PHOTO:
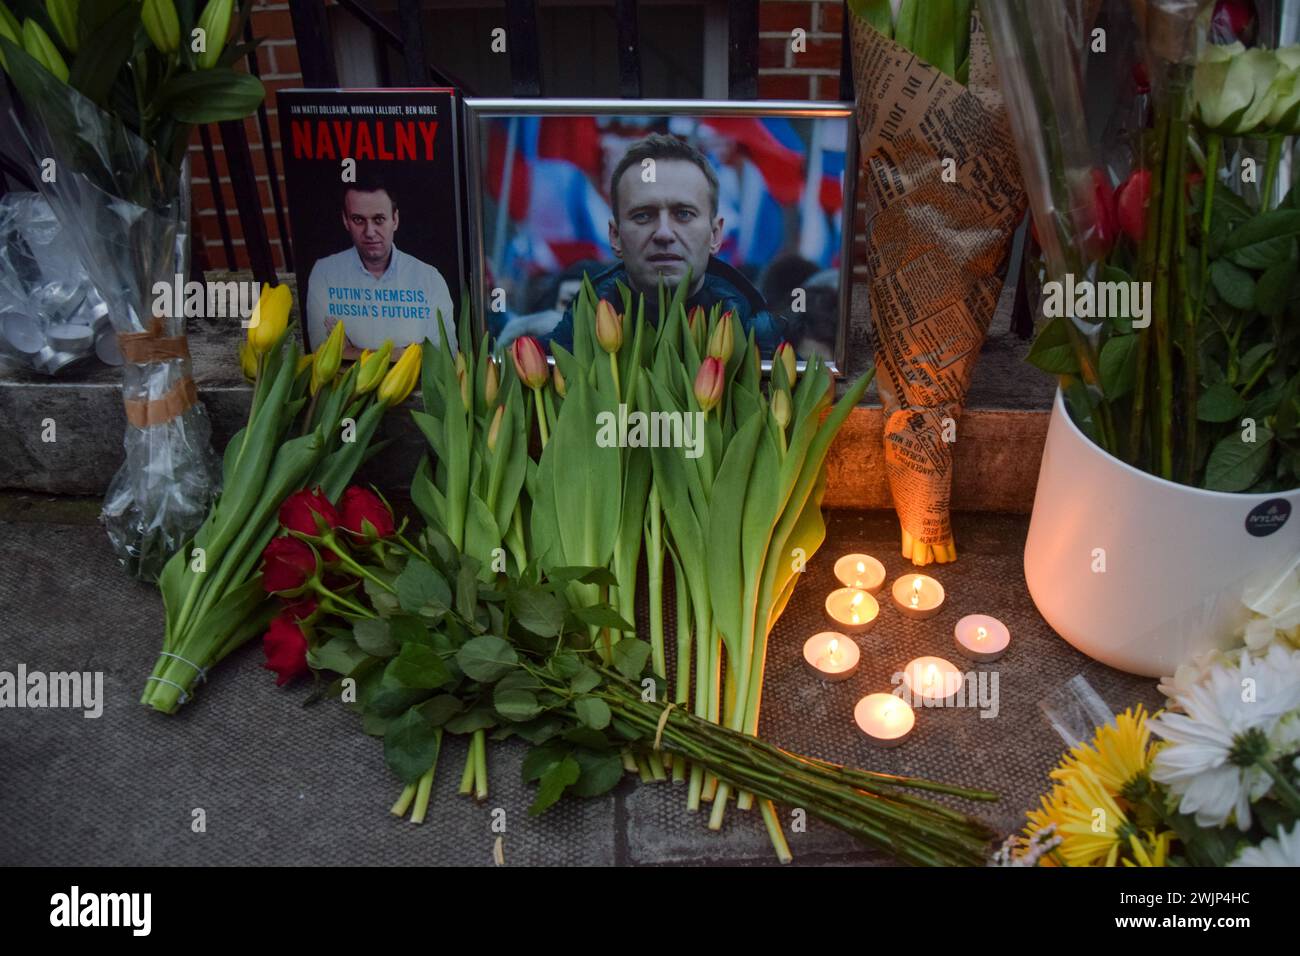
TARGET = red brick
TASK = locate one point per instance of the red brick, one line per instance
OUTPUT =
(265, 63)
(286, 61)
(783, 86)
(819, 54)
(784, 16)
(772, 52)
(830, 18)
(272, 24)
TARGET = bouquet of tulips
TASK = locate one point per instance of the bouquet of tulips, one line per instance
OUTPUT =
(109, 95)
(309, 427)
(423, 650)
(1186, 360)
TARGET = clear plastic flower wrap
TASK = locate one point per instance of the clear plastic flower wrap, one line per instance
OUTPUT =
(52, 319)
(126, 209)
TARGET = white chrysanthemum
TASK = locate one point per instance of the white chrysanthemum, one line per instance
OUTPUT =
(1218, 713)
(1284, 851)
(1275, 611)
(1194, 673)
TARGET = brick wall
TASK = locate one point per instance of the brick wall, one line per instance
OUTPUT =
(783, 74)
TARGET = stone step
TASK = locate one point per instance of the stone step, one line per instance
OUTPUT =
(997, 452)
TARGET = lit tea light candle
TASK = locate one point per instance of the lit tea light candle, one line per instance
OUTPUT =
(932, 679)
(918, 596)
(831, 655)
(981, 638)
(860, 571)
(885, 719)
(853, 610)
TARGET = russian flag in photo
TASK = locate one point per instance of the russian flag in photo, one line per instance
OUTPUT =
(773, 146)
(821, 210)
(512, 146)
(567, 214)
(761, 227)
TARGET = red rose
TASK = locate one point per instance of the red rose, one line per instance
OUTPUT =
(302, 608)
(287, 563)
(1098, 217)
(1131, 204)
(360, 506)
(298, 512)
(1234, 20)
(285, 647)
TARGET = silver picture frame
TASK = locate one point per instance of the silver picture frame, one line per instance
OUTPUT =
(478, 109)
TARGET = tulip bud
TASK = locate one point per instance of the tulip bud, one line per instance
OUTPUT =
(491, 383)
(373, 367)
(462, 379)
(41, 48)
(530, 361)
(561, 387)
(723, 339)
(708, 384)
(304, 362)
(1131, 204)
(214, 21)
(328, 358)
(63, 14)
(270, 318)
(785, 352)
(696, 314)
(247, 361)
(162, 25)
(781, 407)
(401, 378)
(609, 327)
(494, 430)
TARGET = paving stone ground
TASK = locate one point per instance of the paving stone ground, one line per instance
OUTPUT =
(286, 784)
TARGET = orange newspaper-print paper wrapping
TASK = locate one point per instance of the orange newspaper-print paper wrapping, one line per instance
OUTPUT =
(944, 198)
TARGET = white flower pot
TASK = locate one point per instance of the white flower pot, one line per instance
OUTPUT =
(1176, 559)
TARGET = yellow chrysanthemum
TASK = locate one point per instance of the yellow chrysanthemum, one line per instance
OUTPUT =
(1154, 851)
(1093, 828)
(1117, 753)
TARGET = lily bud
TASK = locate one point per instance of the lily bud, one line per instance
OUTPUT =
(41, 48)
(785, 353)
(561, 386)
(11, 30)
(214, 21)
(530, 361)
(494, 429)
(491, 383)
(270, 318)
(609, 327)
(723, 339)
(781, 407)
(373, 367)
(401, 378)
(247, 361)
(161, 24)
(325, 364)
(63, 14)
(708, 384)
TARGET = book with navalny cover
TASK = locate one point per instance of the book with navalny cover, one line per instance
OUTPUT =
(373, 178)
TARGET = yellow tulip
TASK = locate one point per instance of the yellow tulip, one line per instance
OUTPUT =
(781, 407)
(401, 378)
(373, 366)
(247, 361)
(491, 383)
(270, 318)
(785, 352)
(561, 386)
(494, 430)
(325, 364)
(609, 327)
(723, 339)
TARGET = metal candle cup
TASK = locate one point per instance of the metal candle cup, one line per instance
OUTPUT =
(832, 656)
(981, 638)
(885, 719)
(918, 596)
(853, 610)
(860, 571)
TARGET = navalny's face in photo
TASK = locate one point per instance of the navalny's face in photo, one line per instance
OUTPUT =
(371, 218)
(665, 224)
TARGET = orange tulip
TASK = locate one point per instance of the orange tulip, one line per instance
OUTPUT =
(530, 361)
(708, 384)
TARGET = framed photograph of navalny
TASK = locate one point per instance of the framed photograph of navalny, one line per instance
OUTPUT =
(373, 178)
(752, 200)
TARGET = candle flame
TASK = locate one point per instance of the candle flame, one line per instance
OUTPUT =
(855, 618)
(930, 674)
(980, 634)
(857, 599)
(916, 591)
(861, 567)
(835, 646)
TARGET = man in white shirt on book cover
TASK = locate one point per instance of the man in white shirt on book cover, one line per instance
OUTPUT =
(378, 291)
